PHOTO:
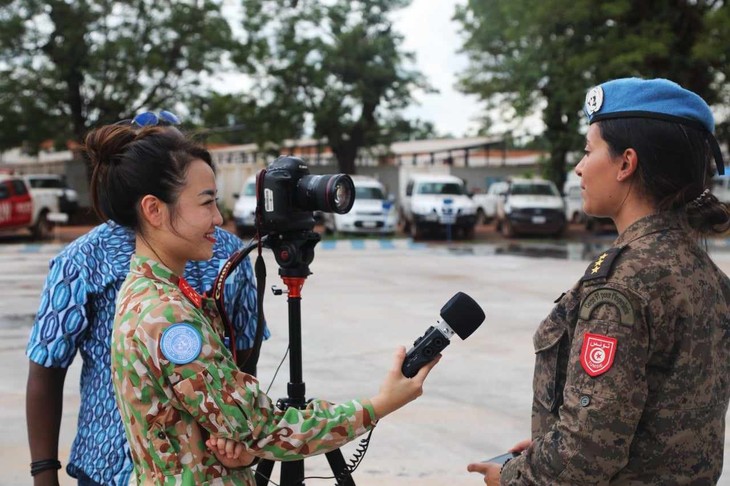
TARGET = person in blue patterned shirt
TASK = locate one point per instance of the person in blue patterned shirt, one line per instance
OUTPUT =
(76, 314)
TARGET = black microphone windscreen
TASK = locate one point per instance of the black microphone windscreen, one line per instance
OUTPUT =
(462, 314)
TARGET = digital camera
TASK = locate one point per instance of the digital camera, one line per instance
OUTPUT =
(287, 196)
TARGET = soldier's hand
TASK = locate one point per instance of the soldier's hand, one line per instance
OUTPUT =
(521, 446)
(230, 453)
(490, 471)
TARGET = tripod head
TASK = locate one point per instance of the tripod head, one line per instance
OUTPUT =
(294, 251)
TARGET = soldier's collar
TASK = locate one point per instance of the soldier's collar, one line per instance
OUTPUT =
(155, 270)
(152, 269)
(653, 223)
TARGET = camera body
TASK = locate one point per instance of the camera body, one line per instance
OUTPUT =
(287, 196)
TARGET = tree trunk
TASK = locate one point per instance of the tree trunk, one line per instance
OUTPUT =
(346, 154)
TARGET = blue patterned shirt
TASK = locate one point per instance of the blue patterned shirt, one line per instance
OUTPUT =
(76, 313)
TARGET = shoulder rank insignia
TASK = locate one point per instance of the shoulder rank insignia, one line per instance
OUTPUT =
(601, 267)
(597, 353)
(181, 343)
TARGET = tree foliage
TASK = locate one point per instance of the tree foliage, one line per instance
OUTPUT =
(545, 54)
(66, 66)
(336, 65)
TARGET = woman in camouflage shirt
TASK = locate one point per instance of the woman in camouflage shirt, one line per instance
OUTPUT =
(176, 384)
(632, 370)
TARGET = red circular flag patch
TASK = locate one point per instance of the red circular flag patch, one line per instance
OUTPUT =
(597, 353)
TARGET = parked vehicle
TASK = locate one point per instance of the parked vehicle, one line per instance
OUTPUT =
(487, 202)
(531, 206)
(244, 211)
(19, 210)
(45, 187)
(573, 199)
(372, 213)
(437, 202)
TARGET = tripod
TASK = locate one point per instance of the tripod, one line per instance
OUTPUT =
(294, 253)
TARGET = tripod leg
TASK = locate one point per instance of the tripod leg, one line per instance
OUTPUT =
(292, 473)
(339, 468)
(263, 472)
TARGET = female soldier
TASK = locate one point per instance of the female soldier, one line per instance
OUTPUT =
(632, 373)
(174, 380)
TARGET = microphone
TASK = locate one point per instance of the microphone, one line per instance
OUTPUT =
(461, 315)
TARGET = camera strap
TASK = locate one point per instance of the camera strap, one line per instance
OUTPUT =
(247, 357)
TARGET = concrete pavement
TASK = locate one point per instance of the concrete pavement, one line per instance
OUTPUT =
(359, 304)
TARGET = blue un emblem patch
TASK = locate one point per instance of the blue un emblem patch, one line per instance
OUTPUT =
(181, 343)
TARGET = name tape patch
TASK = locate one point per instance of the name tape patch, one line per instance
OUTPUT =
(181, 343)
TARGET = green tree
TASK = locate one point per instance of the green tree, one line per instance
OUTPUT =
(67, 66)
(336, 66)
(240, 118)
(545, 54)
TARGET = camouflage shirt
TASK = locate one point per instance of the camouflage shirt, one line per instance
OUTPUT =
(632, 372)
(174, 392)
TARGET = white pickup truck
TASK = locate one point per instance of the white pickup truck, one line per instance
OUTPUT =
(21, 209)
(487, 202)
(437, 202)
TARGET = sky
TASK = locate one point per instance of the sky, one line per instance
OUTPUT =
(434, 37)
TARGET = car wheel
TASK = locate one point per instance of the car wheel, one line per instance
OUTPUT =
(416, 231)
(468, 232)
(43, 228)
(590, 224)
(406, 226)
(481, 217)
(507, 230)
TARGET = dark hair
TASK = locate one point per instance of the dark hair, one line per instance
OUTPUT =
(675, 168)
(130, 163)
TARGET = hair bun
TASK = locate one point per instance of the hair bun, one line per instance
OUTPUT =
(105, 144)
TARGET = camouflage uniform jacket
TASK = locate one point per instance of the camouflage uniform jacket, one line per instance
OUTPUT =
(632, 372)
(169, 409)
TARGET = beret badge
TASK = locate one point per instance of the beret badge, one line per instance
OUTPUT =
(594, 100)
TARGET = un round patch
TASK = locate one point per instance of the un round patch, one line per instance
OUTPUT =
(181, 343)
(594, 100)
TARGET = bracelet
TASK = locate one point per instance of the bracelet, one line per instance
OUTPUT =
(44, 465)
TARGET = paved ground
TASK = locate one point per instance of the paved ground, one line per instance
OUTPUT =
(362, 300)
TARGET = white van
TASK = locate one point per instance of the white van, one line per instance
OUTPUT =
(373, 211)
(244, 211)
(437, 202)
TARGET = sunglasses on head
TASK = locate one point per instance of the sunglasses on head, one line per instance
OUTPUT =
(151, 119)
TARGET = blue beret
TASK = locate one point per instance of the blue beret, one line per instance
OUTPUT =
(651, 98)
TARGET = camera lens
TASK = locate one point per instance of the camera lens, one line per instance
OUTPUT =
(332, 193)
(344, 194)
